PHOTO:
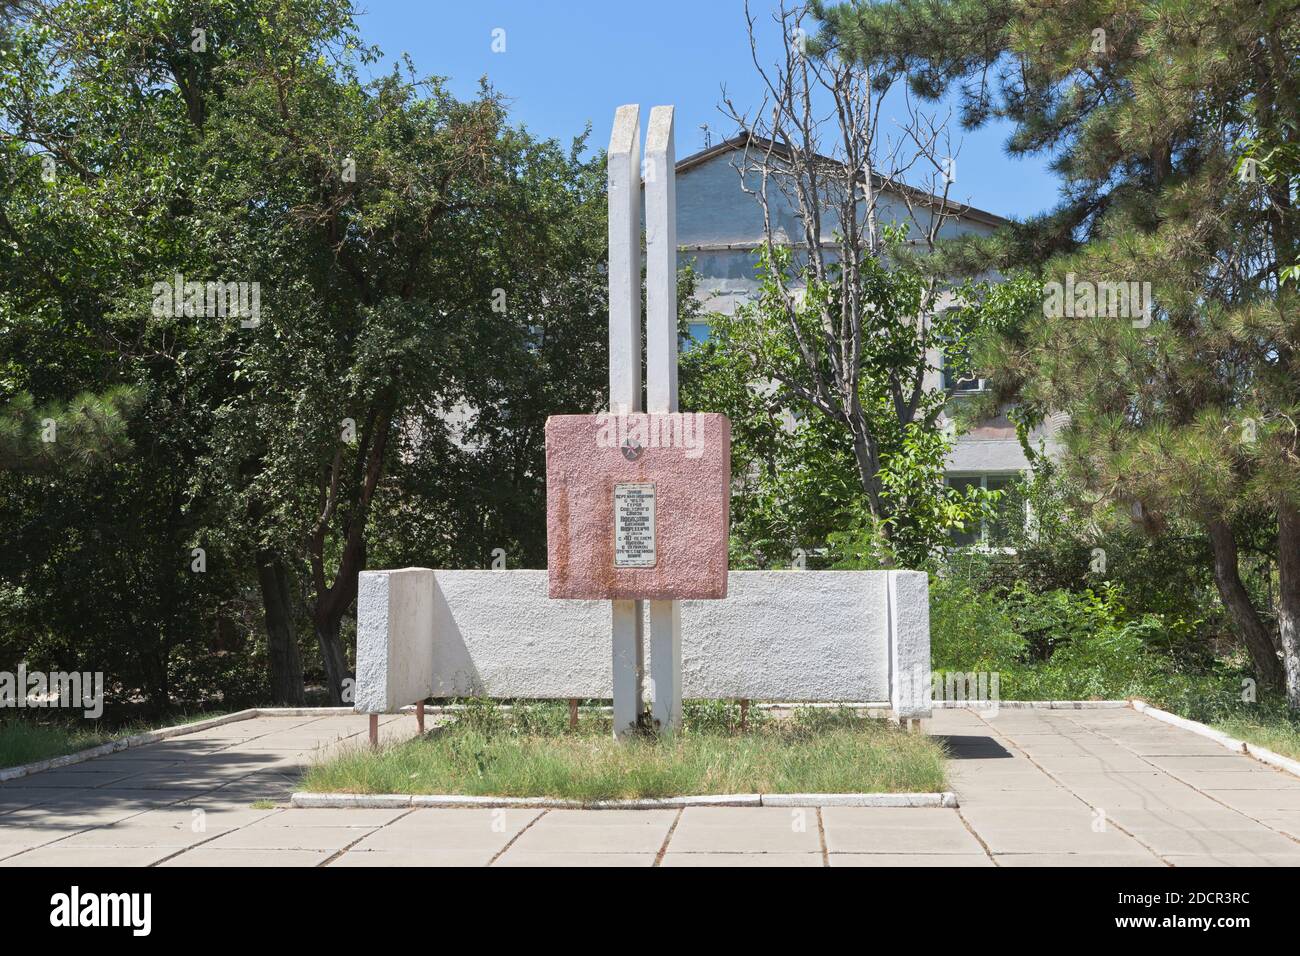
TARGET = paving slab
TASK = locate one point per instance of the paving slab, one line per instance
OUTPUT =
(900, 840)
(1213, 780)
(941, 831)
(1013, 839)
(14, 840)
(907, 817)
(81, 856)
(1252, 802)
(1210, 817)
(1259, 841)
(1041, 788)
(68, 779)
(198, 819)
(508, 820)
(910, 859)
(129, 835)
(367, 817)
(516, 858)
(1092, 763)
(746, 830)
(289, 838)
(1283, 821)
(476, 838)
(412, 858)
(1079, 859)
(1110, 799)
(1047, 799)
(582, 831)
(742, 859)
(1225, 763)
(1234, 860)
(1076, 817)
(211, 856)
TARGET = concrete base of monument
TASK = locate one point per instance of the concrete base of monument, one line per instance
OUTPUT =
(806, 636)
(391, 801)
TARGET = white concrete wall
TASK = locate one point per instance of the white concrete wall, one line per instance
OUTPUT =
(779, 635)
(909, 644)
(790, 635)
(395, 616)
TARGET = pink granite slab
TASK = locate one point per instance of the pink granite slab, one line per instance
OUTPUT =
(686, 456)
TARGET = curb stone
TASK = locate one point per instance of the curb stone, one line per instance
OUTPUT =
(1262, 754)
(393, 800)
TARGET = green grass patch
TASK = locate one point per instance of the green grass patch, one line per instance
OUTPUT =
(29, 738)
(1272, 728)
(26, 741)
(530, 752)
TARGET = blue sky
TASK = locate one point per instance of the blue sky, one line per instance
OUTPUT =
(568, 63)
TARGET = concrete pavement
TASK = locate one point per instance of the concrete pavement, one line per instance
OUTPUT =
(1037, 788)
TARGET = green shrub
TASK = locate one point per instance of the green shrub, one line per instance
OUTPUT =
(1068, 645)
(970, 629)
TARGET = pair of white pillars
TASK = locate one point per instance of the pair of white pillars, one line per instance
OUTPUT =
(624, 172)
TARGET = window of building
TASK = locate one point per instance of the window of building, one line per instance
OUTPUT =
(954, 381)
(996, 532)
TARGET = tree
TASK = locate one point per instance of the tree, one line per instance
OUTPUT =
(848, 317)
(1174, 129)
(417, 286)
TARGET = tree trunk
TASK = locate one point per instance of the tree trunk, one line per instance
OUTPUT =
(1288, 604)
(332, 656)
(868, 474)
(281, 641)
(1227, 578)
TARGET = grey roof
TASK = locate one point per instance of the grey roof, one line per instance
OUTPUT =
(920, 195)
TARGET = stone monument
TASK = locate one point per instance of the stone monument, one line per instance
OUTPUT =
(638, 501)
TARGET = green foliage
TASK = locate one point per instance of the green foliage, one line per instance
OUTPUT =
(1174, 129)
(1065, 645)
(970, 629)
(380, 219)
(799, 484)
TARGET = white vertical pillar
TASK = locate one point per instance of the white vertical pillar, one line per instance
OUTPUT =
(661, 263)
(661, 382)
(666, 663)
(624, 179)
(625, 375)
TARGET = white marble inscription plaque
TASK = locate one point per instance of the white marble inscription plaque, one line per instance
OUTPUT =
(634, 525)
